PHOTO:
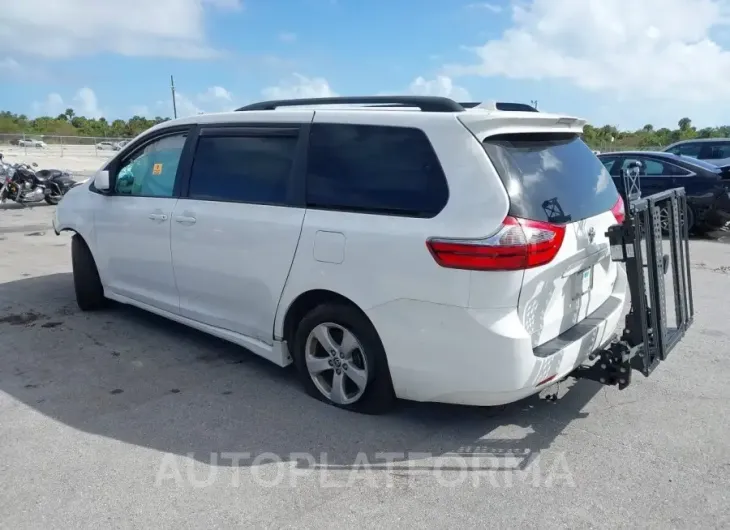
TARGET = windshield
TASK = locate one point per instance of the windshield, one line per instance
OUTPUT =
(552, 177)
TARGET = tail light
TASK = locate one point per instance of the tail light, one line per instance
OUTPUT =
(618, 210)
(518, 244)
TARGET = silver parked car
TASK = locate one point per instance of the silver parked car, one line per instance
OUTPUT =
(32, 142)
(713, 150)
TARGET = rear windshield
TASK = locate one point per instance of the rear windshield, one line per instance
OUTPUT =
(551, 177)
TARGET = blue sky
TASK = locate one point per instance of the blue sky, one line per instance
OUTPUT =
(622, 62)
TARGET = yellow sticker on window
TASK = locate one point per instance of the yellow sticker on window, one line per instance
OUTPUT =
(157, 169)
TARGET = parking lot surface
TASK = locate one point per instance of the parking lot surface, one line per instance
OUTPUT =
(122, 419)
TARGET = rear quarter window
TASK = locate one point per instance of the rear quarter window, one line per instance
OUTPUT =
(690, 149)
(551, 177)
(374, 169)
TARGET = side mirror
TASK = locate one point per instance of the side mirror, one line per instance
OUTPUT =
(101, 180)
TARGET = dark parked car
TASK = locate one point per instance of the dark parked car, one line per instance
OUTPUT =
(707, 186)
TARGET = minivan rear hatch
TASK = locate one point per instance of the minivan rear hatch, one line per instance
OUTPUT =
(554, 178)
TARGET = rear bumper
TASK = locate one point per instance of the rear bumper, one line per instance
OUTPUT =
(483, 357)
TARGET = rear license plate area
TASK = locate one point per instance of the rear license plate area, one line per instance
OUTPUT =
(583, 282)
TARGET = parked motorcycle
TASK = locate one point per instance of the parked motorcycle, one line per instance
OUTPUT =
(24, 185)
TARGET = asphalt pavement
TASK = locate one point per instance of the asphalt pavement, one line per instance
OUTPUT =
(120, 419)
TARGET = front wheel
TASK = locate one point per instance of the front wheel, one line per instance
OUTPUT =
(341, 360)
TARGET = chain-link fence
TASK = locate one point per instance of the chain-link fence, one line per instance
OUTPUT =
(610, 147)
(46, 145)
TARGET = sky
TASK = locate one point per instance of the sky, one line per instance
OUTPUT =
(620, 62)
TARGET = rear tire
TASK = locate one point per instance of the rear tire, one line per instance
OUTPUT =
(53, 200)
(87, 284)
(368, 388)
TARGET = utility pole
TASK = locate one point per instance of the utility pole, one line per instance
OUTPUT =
(174, 105)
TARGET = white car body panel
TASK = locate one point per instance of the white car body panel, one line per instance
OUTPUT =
(133, 249)
(232, 262)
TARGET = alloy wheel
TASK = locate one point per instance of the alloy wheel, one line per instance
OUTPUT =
(336, 363)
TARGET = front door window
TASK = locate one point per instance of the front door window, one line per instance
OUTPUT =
(150, 171)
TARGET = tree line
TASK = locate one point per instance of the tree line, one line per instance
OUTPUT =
(609, 137)
(606, 137)
(69, 124)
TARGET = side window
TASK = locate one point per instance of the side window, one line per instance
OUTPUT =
(374, 169)
(688, 149)
(654, 168)
(651, 168)
(676, 171)
(151, 171)
(719, 150)
(608, 163)
(251, 169)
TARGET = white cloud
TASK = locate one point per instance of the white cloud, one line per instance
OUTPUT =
(140, 110)
(214, 99)
(494, 8)
(186, 106)
(439, 86)
(9, 66)
(84, 103)
(286, 36)
(13, 70)
(299, 86)
(53, 105)
(216, 95)
(232, 5)
(647, 50)
(172, 28)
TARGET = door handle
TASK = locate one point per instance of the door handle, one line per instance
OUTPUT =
(185, 220)
(158, 217)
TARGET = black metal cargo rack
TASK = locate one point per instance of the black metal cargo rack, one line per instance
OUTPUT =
(638, 243)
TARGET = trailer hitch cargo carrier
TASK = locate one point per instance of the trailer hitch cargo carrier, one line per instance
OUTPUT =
(638, 243)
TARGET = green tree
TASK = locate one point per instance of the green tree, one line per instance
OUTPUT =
(602, 137)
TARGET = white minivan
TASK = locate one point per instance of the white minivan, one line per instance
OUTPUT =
(449, 254)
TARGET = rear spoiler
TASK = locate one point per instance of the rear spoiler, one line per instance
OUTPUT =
(483, 124)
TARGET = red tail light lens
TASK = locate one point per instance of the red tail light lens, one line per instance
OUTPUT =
(519, 244)
(618, 210)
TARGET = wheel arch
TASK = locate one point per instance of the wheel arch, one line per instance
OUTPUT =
(307, 301)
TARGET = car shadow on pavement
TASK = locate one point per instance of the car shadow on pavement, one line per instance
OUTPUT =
(140, 379)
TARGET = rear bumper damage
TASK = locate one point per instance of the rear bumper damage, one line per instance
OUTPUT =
(486, 358)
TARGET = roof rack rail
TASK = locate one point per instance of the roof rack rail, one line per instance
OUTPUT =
(425, 103)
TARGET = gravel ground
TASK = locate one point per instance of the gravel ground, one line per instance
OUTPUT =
(122, 419)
